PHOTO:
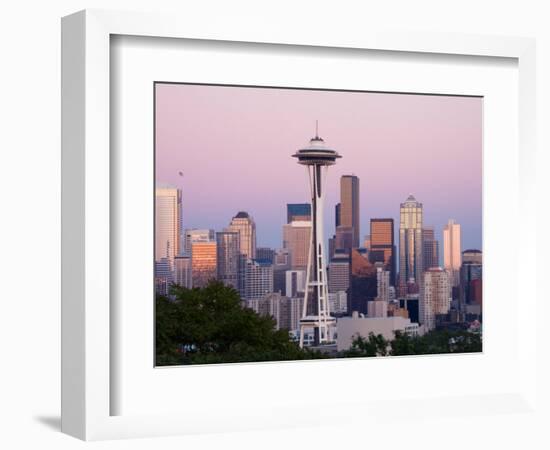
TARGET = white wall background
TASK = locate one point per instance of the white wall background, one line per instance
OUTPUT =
(29, 224)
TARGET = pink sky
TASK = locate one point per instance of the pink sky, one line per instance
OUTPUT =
(234, 147)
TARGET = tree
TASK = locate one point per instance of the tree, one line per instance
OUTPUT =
(374, 345)
(209, 325)
(435, 342)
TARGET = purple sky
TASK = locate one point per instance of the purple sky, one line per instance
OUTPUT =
(234, 147)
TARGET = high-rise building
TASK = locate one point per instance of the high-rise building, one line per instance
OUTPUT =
(281, 263)
(295, 285)
(244, 224)
(410, 244)
(430, 248)
(197, 235)
(298, 212)
(452, 257)
(337, 209)
(349, 209)
(265, 253)
(363, 282)
(167, 223)
(471, 279)
(435, 297)
(183, 273)
(258, 279)
(163, 276)
(367, 242)
(344, 238)
(338, 303)
(382, 245)
(377, 308)
(382, 284)
(317, 157)
(228, 257)
(297, 239)
(339, 272)
(285, 310)
(203, 262)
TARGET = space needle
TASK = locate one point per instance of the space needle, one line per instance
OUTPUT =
(317, 157)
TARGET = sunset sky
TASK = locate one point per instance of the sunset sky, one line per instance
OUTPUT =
(234, 147)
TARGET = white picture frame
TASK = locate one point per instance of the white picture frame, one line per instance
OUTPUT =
(87, 326)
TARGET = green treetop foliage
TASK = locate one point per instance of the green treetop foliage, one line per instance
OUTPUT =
(433, 342)
(209, 325)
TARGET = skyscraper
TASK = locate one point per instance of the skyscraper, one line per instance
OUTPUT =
(339, 272)
(167, 223)
(244, 224)
(297, 239)
(317, 157)
(382, 284)
(281, 263)
(163, 276)
(430, 248)
(344, 238)
(471, 276)
(228, 248)
(435, 296)
(363, 282)
(295, 283)
(258, 280)
(410, 243)
(265, 253)
(298, 212)
(349, 205)
(337, 209)
(452, 257)
(382, 245)
(197, 235)
(203, 262)
(183, 274)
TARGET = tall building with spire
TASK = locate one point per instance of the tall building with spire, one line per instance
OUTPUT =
(167, 223)
(452, 256)
(410, 243)
(349, 205)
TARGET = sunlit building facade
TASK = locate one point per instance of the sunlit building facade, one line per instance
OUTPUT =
(244, 224)
(297, 239)
(167, 223)
(410, 244)
(452, 256)
(382, 245)
(203, 262)
(197, 235)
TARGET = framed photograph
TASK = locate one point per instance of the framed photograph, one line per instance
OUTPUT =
(257, 228)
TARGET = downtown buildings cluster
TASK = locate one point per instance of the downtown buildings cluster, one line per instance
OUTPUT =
(367, 292)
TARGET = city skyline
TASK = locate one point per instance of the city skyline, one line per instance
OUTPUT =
(461, 200)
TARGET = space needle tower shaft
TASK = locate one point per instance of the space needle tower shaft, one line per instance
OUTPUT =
(317, 157)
